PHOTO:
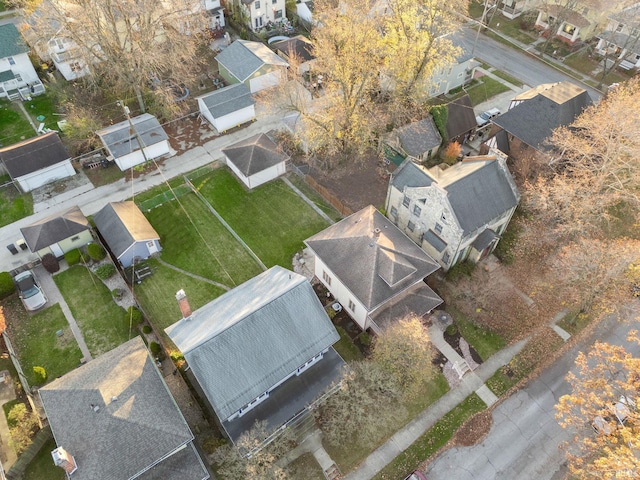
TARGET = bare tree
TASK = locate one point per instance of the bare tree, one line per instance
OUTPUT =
(620, 39)
(557, 13)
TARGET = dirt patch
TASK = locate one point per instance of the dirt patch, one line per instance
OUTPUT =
(474, 429)
(189, 132)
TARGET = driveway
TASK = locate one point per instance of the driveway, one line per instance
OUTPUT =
(525, 437)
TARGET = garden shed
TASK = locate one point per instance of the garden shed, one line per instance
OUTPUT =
(256, 160)
(228, 107)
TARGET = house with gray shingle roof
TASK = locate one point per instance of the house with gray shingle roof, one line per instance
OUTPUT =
(126, 232)
(18, 78)
(454, 214)
(260, 352)
(134, 142)
(116, 419)
(419, 140)
(58, 233)
(373, 269)
(251, 63)
(256, 160)
(228, 107)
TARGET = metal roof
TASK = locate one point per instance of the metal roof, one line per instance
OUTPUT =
(120, 140)
(228, 100)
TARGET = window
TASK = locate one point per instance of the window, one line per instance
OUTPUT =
(417, 210)
(405, 201)
(278, 13)
(257, 5)
(568, 29)
(394, 213)
(446, 258)
(619, 27)
(77, 237)
(274, 2)
(258, 22)
(411, 226)
(76, 67)
(11, 61)
(352, 306)
(18, 77)
(326, 278)
(438, 228)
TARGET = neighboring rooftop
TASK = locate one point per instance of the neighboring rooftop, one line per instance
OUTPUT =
(33, 154)
(243, 58)
(122, 224)
(460, 117)
(419, 137)
(228, 99)
(117, 418)
(55, 228)
(121, 141)
(254, 154)
(11, 42)
(298, 46)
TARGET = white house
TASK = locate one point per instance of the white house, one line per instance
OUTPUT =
(37, 161)
(263, 351)
(373, 269)
(18, 78)
(68, 58)
(454, 214)
(128, 148)
(216, 12)
(256, 160)
(514, 8)
(621, 40)
(458, 73)
(260, 12)
(228, 107)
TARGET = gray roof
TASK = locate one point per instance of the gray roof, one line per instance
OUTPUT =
(122, 224)
(11, 42)
(124, 437)
(371, 256)
(533, 121)
(243, 58)
(244, 342)
(298, 46)
(410, 175)
(254, 154)
(121, 141)
(419, 137)
(228, 99)
(460, 117)
(627, 16)
(6, 76)
(33, 154)
(55, 228)
(484, 239)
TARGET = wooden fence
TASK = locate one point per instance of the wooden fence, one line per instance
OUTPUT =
(328, 196)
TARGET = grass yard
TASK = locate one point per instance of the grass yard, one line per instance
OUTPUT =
(485, 90)
(14, 127)
(272, 219)
(484, 342)
(315, 197)
(13, 204)
(306, 467)
(36, 343)
(43, 105)
(508, 78)
(193, 239)
(42, 467)
(574, 321)
(157, 294)
(346, 348)
(104, 324)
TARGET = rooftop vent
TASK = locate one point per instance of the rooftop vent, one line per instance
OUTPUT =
(376, 232)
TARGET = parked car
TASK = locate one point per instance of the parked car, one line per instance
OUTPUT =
(30, 292)
(416, 475)
(619, 413)
(484, 117)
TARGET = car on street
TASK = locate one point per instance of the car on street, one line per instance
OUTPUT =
(487, 115)
(416, 475)
(620, 411)
(29, 291)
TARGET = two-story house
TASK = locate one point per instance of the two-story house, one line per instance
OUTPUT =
(621, 40)
(69, 58)
(18, 78)
(514, 8)
(216, 12)
(454, 214)
(259, 13)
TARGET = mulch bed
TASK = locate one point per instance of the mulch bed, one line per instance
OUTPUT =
(454, 341)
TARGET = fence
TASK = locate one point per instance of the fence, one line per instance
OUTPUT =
(328, 196)
(166, 196)
(202, 171)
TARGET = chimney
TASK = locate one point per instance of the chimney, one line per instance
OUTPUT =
(183, 303)
(376, 232)
(62, 459)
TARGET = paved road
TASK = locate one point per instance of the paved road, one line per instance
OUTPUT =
(523, 442)
(525, 67)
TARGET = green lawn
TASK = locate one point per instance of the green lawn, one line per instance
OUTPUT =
(13, 204)
(315, 197)
(346, 348)
(43, 105)
(272, 219)
(14, 127)
(508, 78)
(157, 294)
(305, 467)
(42, 467)
(485, 90)
(37, 344)
(104, 324)
(485, 342)
(193, 239)
(432, 439)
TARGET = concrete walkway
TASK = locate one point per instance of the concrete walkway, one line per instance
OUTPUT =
(54, 296)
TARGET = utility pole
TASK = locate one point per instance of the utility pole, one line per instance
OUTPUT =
(132, 129)
(481, 23)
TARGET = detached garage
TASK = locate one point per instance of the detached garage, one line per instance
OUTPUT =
(127, 147)
(256, 160)
(228, 107)
(37, 161)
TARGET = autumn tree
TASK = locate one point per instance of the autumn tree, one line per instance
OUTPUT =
(594, 166)
(130, 46)
(604, 392)
(22, 426)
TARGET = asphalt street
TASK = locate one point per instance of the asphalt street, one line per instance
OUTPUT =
(524, 440)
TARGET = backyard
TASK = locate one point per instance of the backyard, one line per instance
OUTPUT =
(13, 204)
(14, 127)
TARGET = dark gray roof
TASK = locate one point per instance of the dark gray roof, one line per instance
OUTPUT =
(55, 228)
(408, 174)
(254, 154)
(460, 117)
(121, 141)
(228, 99)
(243, 58)
(122, 224)
(484, 239)
(534, 120)
(297, 46)
(419, 137)
(244, 342)
(137, 422)
(434, 240)
(33, 154)
(367, 252)
(461, 42)
(11, 42)
(418, 300)
(6, 76)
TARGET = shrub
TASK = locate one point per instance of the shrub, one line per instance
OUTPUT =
(365, 339)
(451, 330)
(50, 263)
(147, 329)
(40, 375)
(451, 153)
(459, 269)
(6, 285)
(73, 257)
(105, 271)
(440, 114)
(134, 315)
(331, 312)
(96, 252)
(155, 348)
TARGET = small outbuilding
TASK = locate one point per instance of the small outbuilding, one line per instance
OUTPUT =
(126, 232)
(37, 161)
(256, 160)
(58, 233)
(129, 144)
(228, 107)
(299, 48)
